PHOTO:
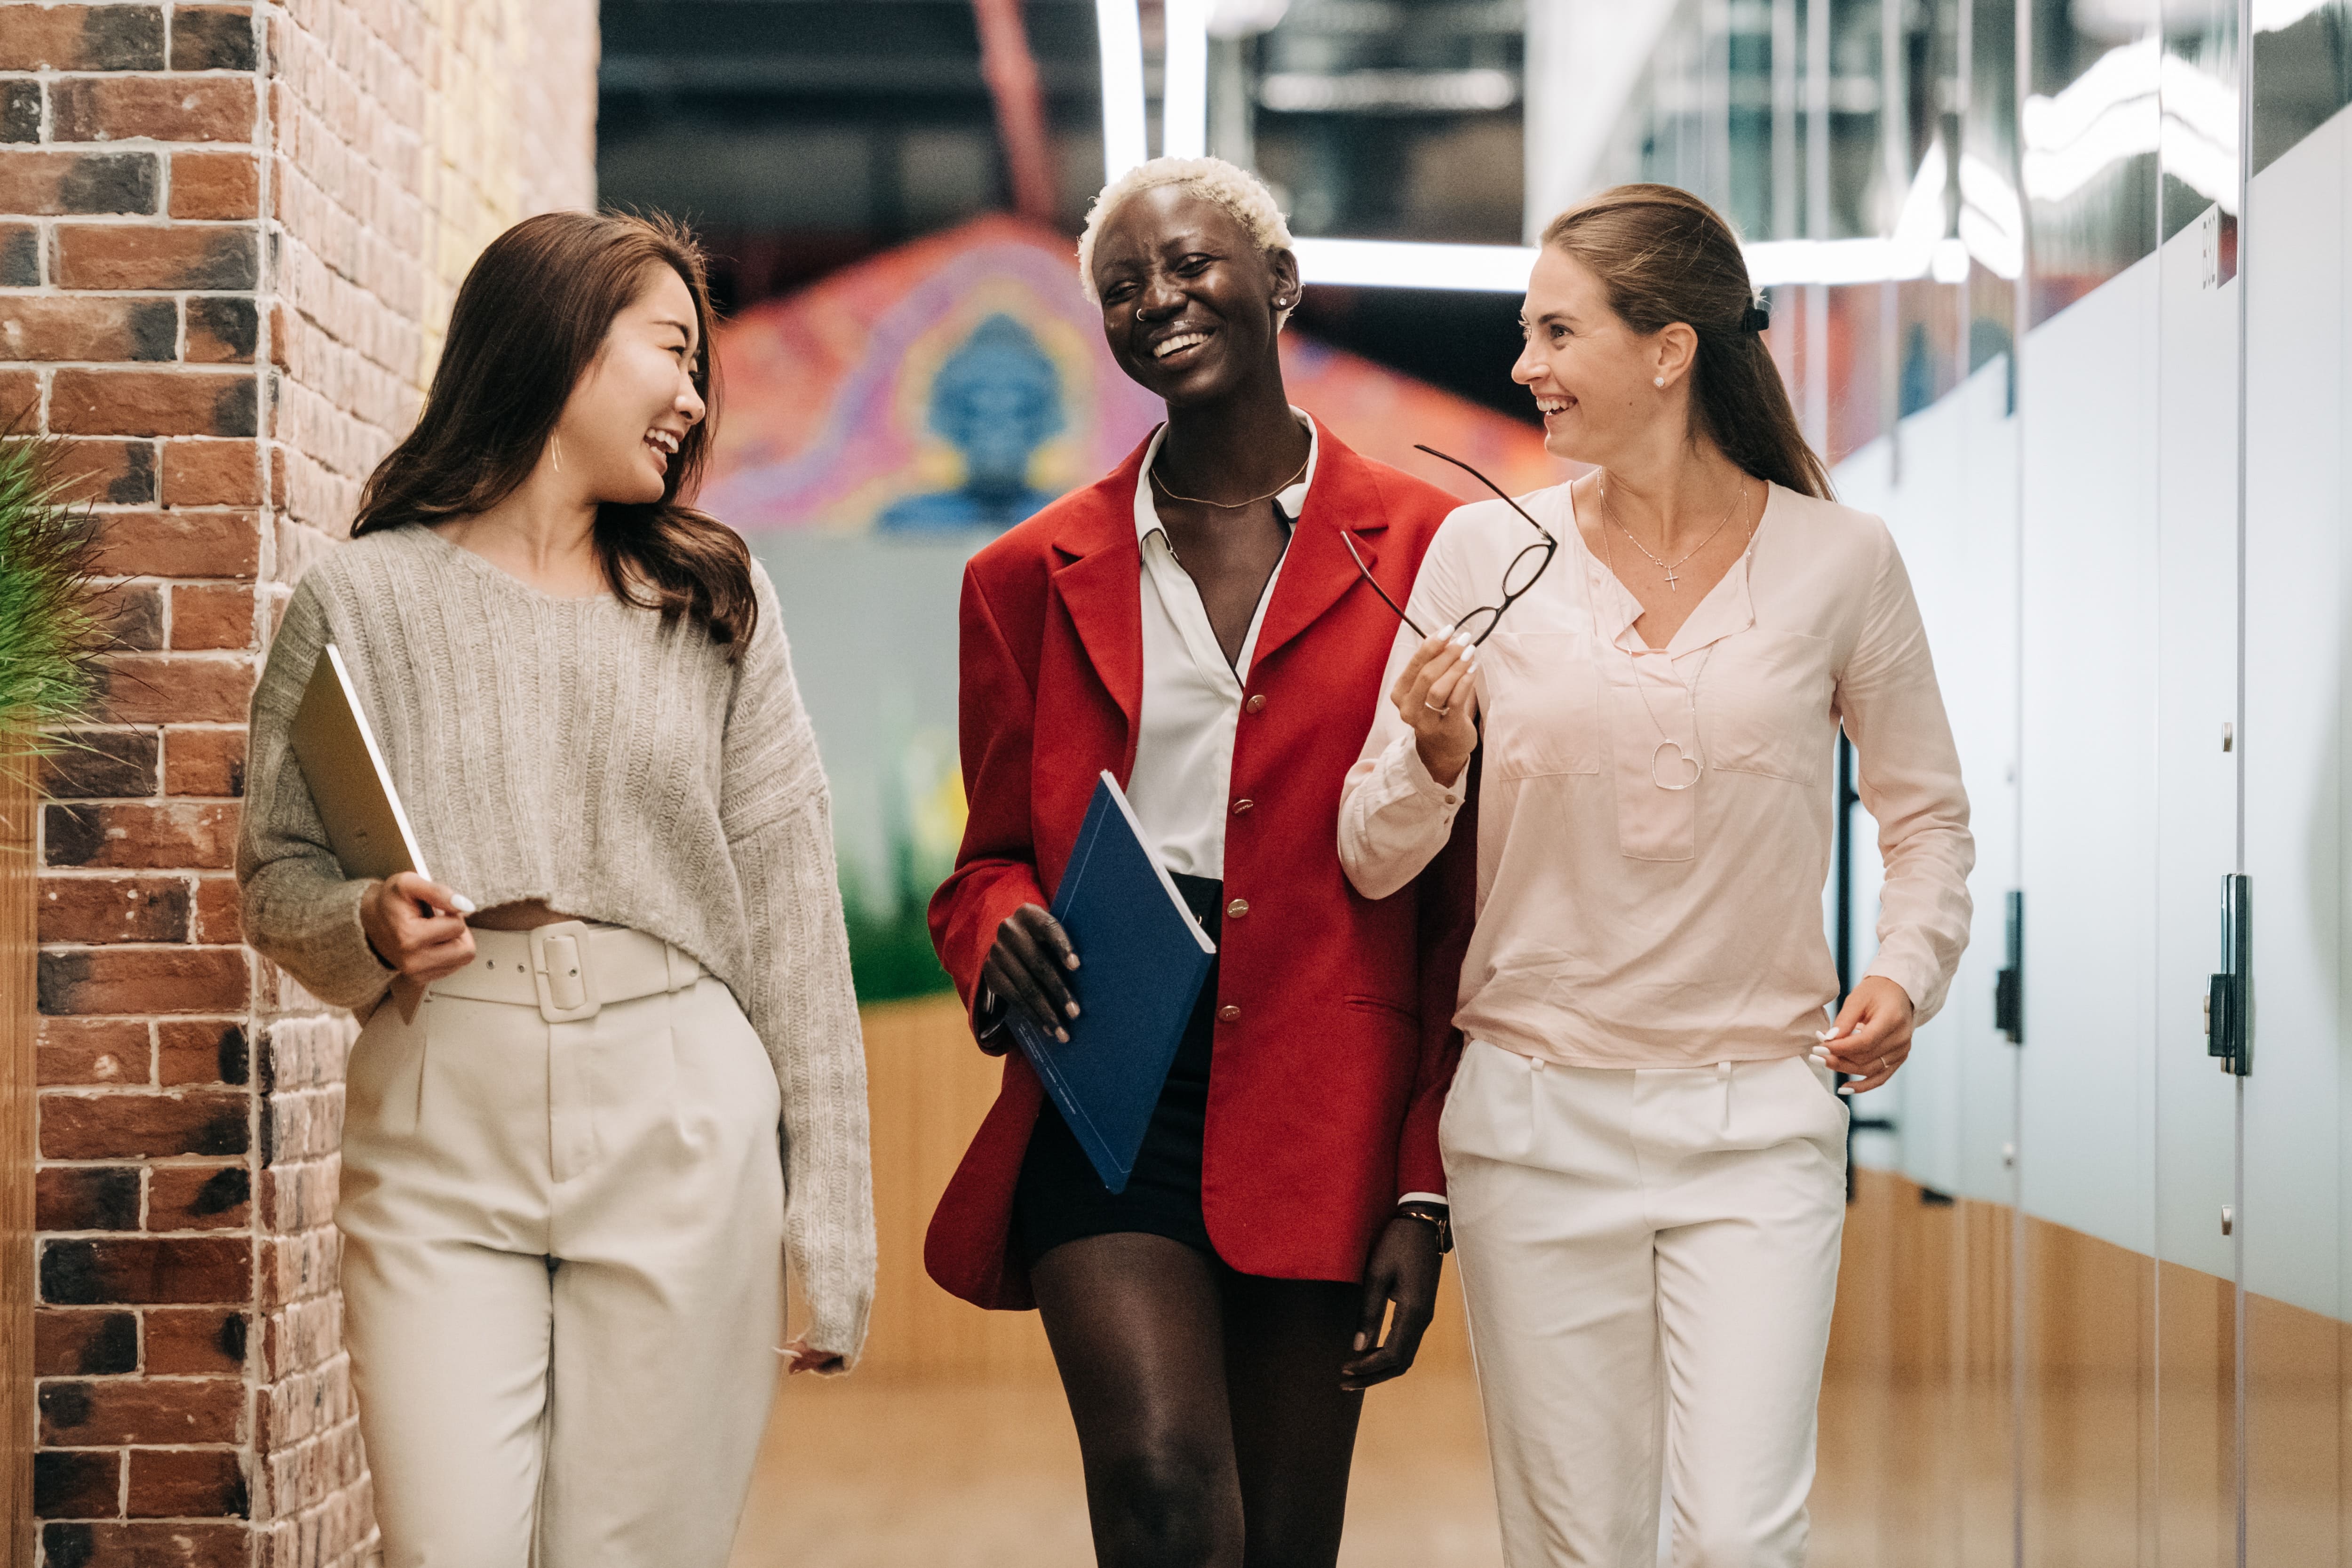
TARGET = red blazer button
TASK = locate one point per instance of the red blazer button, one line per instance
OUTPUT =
(1229, 1014)
(1242, 806)
(1237, 909)
(1255, 704)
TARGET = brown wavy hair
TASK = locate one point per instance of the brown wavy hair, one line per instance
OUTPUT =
(529, 321)
(1664, 256)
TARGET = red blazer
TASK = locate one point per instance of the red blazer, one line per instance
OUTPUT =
(1334, 1044)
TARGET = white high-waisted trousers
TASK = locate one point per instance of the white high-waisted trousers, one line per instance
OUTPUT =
(1649, 1258)
(562, 1274)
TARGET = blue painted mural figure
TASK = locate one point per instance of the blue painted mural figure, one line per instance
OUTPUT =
(998, 398)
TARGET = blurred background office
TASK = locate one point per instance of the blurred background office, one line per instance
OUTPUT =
(2060, 287)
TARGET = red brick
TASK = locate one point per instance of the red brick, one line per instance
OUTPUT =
(221, 328)
(212, 616)
(203, 1050)
(39, 182)
(20, 393)
(195, 1341)
(154, 687)
(198, 1197)
(120, 1126)
(70, 1483)
(120, 473)
(178, 544)
(151, 403)
(219, 915)
(86, 1197)
(210, 473)
(114, 909)
(161, 107)
(215, 186)
(113, 1414)
(132, 615)
(203, 762)
(80, 327)
(94, 1051)
(83, 764)
(85, 1344)
(140, 836)
(131, 1270)
(173, 1546)
(116, 256)
(20, 256)
(212, 37)
(143, 980)
(187, 1483)
(82, 37)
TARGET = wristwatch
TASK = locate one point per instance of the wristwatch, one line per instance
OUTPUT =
(1435, 1214)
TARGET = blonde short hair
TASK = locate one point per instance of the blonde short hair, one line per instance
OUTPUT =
(1233, 188)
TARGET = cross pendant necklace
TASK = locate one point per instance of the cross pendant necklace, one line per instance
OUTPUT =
(1666, 567)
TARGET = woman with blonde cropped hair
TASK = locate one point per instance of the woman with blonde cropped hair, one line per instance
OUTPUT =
(1645, 1143)
(1192, 624)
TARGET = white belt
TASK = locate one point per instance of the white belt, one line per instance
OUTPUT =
(569, 970)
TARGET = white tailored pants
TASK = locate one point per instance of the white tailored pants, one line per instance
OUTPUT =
(562, 1278)
(1649, 1258)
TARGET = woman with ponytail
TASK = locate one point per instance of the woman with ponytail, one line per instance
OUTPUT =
(1645, 1146)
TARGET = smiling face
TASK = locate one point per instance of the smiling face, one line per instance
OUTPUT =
(1595, 378)
(624, 422)
(1189, 301)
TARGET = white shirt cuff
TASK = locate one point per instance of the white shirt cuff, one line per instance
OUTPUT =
(1424, 1198)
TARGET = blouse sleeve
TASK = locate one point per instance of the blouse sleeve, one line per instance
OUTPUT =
(1394, 817)
(299, 910)
(1910, 782)
(778, 817)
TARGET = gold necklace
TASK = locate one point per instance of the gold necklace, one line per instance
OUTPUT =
(1739, 491)
(1175, 494)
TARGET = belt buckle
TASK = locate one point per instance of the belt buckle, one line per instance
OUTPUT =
(561, 973)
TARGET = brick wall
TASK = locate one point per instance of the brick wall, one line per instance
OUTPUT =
(228, 238)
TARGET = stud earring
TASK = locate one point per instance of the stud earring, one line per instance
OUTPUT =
(1657, 381)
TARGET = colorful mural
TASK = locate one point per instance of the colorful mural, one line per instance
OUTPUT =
(878, 426)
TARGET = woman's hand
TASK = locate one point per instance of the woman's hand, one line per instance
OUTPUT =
(1403, 1269)
(1026, 966)
(417, 927)
(1437, 694)
(1871, 1036)
(798, 1357)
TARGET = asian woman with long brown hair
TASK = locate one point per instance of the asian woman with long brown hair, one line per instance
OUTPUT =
(565, 1208)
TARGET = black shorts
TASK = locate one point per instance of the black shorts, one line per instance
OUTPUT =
(1060, 1197)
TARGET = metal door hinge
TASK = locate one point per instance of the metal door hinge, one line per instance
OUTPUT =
(2229, 995)
(2009, 986)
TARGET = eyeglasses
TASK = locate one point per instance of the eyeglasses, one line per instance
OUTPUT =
(1517, 577)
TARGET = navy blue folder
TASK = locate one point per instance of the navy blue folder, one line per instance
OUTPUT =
(1141, 960)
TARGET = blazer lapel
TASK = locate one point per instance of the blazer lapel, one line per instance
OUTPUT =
(1343, 499)
(1102, 586)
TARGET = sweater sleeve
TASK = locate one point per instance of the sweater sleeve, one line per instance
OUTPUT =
(1910, 782)
(299, 910)
(778, 818)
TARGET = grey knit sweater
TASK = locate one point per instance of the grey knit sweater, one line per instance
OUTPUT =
(580, 752)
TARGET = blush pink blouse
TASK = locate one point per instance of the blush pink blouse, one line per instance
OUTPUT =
(1654, 826)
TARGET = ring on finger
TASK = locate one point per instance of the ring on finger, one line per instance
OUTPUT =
(1440, 713)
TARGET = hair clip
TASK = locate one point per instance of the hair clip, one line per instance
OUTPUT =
(1755, 319)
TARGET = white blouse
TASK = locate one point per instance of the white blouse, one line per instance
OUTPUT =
(1191, 696)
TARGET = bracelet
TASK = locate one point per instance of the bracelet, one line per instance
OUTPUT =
(1440, 1220)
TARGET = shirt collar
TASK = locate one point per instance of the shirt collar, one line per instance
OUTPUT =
(1291, 499)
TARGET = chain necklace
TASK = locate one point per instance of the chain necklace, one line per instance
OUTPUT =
(1611, 513)
(1174, 494)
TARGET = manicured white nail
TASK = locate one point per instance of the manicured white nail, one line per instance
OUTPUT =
(461, 904)
(1827, 1035)
(1446, 630)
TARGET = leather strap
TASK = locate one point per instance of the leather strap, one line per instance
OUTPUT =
(569, 970)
